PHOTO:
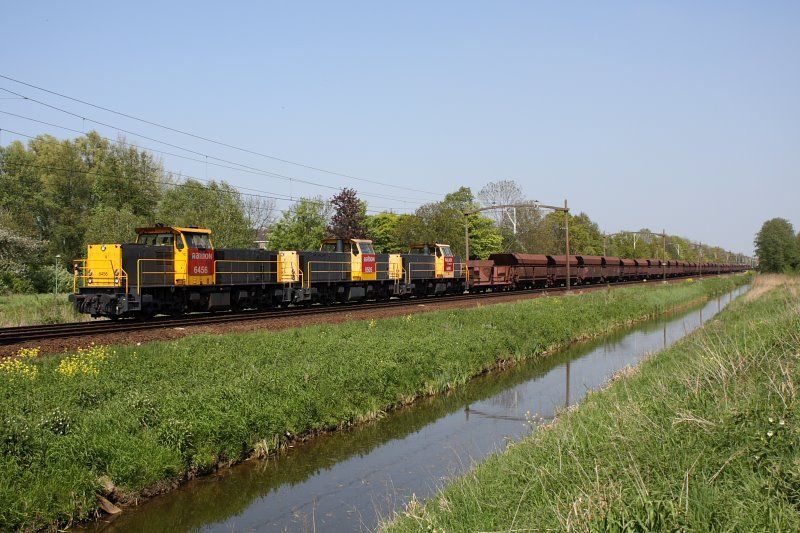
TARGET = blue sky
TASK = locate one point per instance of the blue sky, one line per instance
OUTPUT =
(675, 115)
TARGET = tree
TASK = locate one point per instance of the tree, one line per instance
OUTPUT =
(18, 258)
(52, 187)
(113, 225)
(798, 243)
(502, 192)
(444, 222)
(216, 206)
(302, 227)
(259, 213)
(349, 217)
(776, 246)
(383, 230)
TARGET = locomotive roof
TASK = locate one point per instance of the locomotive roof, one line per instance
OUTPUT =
(334, 239)
(174, 229)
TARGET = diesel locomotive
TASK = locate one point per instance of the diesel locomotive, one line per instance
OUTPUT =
(173, 270)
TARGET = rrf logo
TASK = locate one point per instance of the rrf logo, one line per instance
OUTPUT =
(368, 263)
(201, 262)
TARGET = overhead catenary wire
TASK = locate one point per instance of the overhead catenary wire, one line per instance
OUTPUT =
(5, 165)
(213, 141)
(172, 145)
(180, 175)
(144, 148)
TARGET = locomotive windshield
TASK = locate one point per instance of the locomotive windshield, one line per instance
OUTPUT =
(446, 251)
(198, 240)
(421, 250)
(366, 247)
(331, 247)
(156, 239)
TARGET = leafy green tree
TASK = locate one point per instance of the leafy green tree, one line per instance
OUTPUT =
(19, 257)
(549, 236)
(798, 243)
(112, 225)
(51, 187)
(215, 205)
(444, 222)
(383, 230)
(302, 227)
(776, 246)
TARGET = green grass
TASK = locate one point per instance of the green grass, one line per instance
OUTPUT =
(704, 436)
(28, 309)
(145, 416)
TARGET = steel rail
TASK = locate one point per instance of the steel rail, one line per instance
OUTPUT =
(21, 334)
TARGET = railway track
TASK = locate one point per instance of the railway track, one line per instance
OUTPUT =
(21, 334)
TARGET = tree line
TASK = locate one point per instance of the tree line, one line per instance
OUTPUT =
(57, 196)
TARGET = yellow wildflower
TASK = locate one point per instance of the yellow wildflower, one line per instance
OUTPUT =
(85, 361)
(16, 369)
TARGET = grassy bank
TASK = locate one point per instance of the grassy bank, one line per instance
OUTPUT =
(28, 309)
(143, 417)
(703, 436)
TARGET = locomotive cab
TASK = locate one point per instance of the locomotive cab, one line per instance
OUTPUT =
(444, 263)
(363, 265)
(192, 251)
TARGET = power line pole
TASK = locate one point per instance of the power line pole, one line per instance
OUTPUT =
(566, 227)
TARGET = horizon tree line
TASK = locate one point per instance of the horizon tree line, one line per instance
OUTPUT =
(56, 196)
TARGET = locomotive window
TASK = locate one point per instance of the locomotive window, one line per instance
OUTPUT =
(446, 251)
(328, 247)
(155, 239)
(366, 247)
(198, 240)
(438, 252)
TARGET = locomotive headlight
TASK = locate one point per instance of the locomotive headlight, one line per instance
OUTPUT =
(90, 281)
(103, 247)
(116, 281)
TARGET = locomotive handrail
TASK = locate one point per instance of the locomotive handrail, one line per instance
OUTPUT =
(411, 269)
(308, 277)
(114, 278)
(164, 272)
(389, 270)
(349, 271)
(75, 269)
(217, 272)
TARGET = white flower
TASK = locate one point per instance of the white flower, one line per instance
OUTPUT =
(769, 433)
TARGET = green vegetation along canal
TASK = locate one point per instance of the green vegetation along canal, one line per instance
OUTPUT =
(352, 480)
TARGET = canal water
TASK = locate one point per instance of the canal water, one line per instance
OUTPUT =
(352, 480)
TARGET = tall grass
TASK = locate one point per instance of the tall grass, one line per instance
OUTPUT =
(29, 309)
(144, 417)
(703, 436)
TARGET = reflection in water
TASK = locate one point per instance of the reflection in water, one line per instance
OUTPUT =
(352, 479)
